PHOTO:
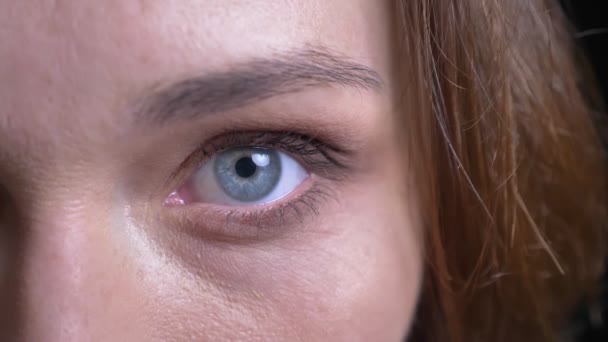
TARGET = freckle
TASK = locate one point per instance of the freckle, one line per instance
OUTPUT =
(145, 6)
(257, 295)
(144, 59)
(48, 80)
(140, 275)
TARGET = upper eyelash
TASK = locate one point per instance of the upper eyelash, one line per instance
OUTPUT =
(324, 159)
(296, 143)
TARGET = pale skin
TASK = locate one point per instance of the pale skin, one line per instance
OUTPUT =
(93, 246)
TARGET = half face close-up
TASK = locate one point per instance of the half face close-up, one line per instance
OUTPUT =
(203, 170)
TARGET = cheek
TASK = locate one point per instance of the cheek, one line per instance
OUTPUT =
(356, 280)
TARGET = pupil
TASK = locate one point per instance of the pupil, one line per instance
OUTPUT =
(245, 167)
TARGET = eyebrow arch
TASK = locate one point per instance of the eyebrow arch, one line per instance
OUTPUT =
(254, 81)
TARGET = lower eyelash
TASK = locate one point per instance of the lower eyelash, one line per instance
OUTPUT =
(274, 219)
(238, 226)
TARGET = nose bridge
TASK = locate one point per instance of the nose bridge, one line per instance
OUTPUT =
(74, 276)
(55, 263)
(73, 272)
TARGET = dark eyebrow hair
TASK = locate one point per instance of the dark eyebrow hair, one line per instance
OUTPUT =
(254, 81)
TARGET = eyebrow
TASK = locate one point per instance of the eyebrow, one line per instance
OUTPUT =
(254, 81)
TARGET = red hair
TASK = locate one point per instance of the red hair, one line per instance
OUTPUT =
(508, 164)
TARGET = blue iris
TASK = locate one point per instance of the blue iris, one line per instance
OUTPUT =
(248, 174)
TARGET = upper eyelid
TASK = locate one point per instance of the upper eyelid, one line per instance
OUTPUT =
(270, 139)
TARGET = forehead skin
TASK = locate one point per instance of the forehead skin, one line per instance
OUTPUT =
(92, 52)
(70, 71)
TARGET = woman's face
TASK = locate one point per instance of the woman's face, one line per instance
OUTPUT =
(203, 170)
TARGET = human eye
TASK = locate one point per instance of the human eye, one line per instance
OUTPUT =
(257, 180)
(245, 175)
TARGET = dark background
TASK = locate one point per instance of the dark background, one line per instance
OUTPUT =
(591, 34)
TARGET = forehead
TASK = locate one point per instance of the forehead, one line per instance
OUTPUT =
(81, 60)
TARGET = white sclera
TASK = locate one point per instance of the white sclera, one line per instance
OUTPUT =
(207, 189)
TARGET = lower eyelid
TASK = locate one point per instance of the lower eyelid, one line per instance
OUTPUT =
(252, 223)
